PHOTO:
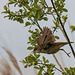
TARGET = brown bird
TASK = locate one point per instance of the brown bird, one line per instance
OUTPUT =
(46, 43)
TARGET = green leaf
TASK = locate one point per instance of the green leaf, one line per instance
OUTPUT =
(18, 20)
(65, 10)
(42, 1)
(57, 37)
(40, 72)
(27, 24)
(30, 39)
(36, 67)
(5, 7)
(73, 28)
(25, 66)
(37, 30)
(27, 6)
(30, 31)
(23, 61)
(45, 18)
(47, 61)
(30, 48)
(43, 59)
(64, 18)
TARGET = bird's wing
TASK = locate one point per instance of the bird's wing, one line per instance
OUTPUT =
(46, 37)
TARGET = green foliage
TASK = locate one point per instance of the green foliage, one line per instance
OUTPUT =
(27, 23)
(36, 11)
(43, 66)
(64, 18)
(32, 38)
(73, 28)
(70, 71)
(57, 37)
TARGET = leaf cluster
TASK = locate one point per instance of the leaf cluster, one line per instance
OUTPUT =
(41, 65)
(35, 10)
(32, 38)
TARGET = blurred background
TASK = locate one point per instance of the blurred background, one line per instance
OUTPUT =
(14, 37)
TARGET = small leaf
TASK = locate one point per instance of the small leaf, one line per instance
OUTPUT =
(30, 39)
(25, 66)
(73, 28)
(42, 1)
(30, 31)
(27, 6)
(44, 59)
(65, 10)
(57, 37)
(5, 7)
(27, 23)
(40, 72)
(36, 67)
(23, 61)
(30, 48)
(45, 18)
(64, 18)
(47, 61)
(37, 30)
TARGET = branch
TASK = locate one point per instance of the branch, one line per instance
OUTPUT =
(66, 36)
(52, 66)
(58, 62)
(54, 17)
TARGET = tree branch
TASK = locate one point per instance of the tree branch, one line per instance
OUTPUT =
(66, 36)
(52, 66)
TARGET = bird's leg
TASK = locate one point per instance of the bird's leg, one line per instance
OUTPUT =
(66, 52)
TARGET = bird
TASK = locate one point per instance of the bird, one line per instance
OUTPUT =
(46, 43)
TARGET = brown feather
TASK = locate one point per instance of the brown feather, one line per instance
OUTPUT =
(45, 37)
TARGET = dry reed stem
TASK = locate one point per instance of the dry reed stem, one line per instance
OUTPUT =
(13, 60)
(5, 68)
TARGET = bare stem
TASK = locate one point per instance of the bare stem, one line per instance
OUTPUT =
(58, 62)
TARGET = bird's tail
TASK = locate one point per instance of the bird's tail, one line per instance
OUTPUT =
(62, 43)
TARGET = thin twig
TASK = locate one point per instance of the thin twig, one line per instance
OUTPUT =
(66, 36)
(52, 66)
(54, 17)
(58, 62)
(37, 24)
